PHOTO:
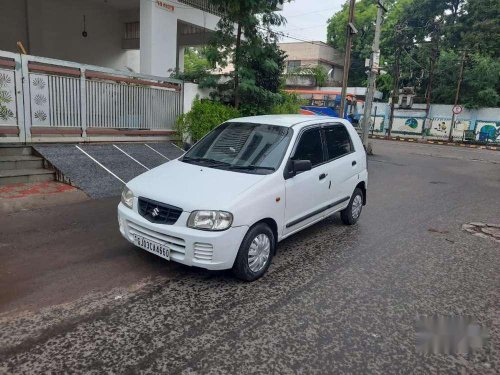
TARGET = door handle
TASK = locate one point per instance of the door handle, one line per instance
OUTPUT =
(322, 176)
(354, 163)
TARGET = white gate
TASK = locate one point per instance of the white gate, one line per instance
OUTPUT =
(44, 100)
(11, 98)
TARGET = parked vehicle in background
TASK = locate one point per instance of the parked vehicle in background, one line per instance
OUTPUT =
(244, 187)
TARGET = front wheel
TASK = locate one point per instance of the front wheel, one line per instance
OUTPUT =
(352, 212)
(255, 253)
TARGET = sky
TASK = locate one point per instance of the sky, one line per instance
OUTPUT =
(306, 19)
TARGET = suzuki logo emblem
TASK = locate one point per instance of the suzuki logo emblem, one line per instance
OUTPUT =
(155, 212)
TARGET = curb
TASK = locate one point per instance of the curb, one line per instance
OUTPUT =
(444, 143)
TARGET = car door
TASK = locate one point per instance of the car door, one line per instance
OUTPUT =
(306, 192)
(342, 165)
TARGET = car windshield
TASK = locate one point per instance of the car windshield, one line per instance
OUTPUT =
(242, 147)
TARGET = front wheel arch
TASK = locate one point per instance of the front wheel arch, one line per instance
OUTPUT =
(362, 186)
(274, 227)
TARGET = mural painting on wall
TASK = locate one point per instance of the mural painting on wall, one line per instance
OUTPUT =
(379, 124)
(488, 131)
(441, 127)
(409, 125)
(7, 98)
(376, 124)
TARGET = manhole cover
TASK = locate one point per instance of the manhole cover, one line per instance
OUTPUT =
(484, 230)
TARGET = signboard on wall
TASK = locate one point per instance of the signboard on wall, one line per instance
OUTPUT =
(164, 5)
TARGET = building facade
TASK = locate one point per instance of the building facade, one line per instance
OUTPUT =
(304, 55)
(96, 70)
(144, 36)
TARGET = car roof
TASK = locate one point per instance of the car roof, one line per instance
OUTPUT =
(283, 120)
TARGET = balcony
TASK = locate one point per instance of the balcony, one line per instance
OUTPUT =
(204, 5)
(207, 6)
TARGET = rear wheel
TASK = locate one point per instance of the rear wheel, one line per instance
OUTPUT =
(352, 212)
(255, 253)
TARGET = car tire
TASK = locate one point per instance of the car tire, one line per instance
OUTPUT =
(255, 253)
(350, 215)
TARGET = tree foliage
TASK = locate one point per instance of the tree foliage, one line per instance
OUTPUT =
(204, 116)
(366, 12)
(430, 35)
(317, 72)
(244, 39)
(196, 66)
(288, 104)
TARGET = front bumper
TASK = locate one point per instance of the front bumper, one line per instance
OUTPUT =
(192, 247)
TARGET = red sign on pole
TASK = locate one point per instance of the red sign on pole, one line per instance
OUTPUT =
(458, 109)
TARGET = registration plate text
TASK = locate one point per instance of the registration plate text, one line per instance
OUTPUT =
(153, 247)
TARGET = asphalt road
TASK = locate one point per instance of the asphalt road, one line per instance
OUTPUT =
(75, 297)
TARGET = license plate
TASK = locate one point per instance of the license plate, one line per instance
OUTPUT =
(153, 247)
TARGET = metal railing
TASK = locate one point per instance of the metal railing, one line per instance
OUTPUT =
(204, 5)
(61, 94)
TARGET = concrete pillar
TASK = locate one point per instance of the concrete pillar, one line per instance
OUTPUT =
(181, 51)
(158, 39)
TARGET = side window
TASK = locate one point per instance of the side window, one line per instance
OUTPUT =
(310, 147)
(338, 141)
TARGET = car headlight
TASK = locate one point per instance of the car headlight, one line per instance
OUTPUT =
(210, 220)
(127, 197)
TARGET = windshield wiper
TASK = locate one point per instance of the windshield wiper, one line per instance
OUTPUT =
(251, 167)
(211, 162)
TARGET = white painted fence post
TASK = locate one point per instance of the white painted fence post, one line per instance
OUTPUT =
(83, 102)
(18, 77)
(27, 100)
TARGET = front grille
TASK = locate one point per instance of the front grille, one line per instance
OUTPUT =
(158, 213)
(203, 251)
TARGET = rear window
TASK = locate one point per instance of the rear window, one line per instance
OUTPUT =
(338, 141)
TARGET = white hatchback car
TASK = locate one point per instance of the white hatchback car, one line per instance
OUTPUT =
(244, 187)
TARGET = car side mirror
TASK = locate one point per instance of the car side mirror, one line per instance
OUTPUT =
(297, 166)
(187, 146)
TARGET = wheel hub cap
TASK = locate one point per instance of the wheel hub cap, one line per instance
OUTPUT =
(259, 252)
(357, 205)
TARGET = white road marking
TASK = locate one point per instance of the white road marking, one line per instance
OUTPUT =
(183, 151)
(159, 153)
(102, 166)
(137, 161)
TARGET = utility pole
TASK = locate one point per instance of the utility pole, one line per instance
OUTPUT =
(351, 30)
(428, 98)
(457, 96)
(372, 77)
(429, 94)
(394, 90)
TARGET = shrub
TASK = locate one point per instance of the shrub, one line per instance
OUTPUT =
(203, 117)
(289, 104)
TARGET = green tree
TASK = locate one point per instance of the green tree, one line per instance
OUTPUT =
(446, 77)
(365, 15)
(288, 104)
(479, 27)
(195, 60)
(481, 83)
(244, 38)
(196, 66)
